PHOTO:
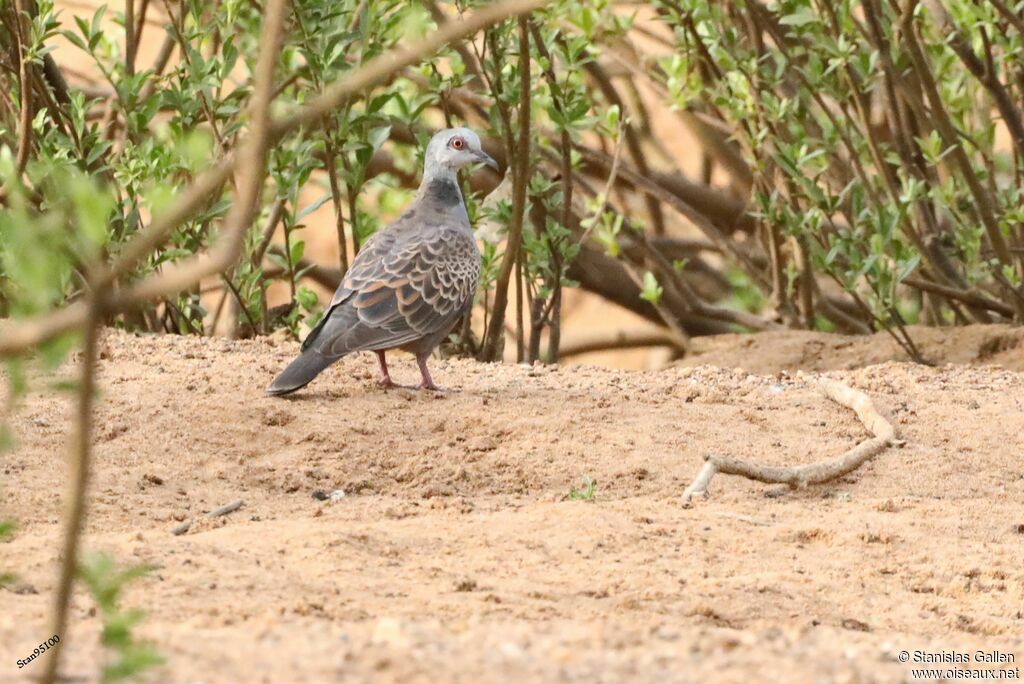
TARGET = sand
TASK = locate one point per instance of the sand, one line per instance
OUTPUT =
(455, 553)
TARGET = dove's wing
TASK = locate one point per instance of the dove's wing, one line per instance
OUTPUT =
(412, 280)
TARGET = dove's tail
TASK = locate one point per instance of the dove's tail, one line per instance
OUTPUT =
(300, 372)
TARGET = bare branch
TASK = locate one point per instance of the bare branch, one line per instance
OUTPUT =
(617, 340)
(24, 87)
(78, 483)
(812, 473)
(490, 348)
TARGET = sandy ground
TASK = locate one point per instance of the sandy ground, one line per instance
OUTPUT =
(455, 554)
(790, 350)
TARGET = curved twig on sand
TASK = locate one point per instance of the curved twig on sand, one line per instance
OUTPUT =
(811, 473)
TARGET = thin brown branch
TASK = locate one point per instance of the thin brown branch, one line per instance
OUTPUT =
(78, 484)
(987, 76)
(269, 227)
(1010, 16)
(969, 297)
(812, 473)
(330, 156)
(565, 148)
(491, 347)
(129, 37)
(379, 69)
(619, 340)
(24, 87)
(705, 225)
(138, 28)
(468, 58)
(636, 152)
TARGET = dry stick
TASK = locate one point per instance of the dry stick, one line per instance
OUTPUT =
(811, 473)
(79, 481)
(515, 233)
(215, 513)
(15, 339)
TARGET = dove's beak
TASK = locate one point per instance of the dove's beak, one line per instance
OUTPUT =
(485, 158)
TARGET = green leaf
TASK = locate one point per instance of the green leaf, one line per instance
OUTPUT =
(801, 17)
(297, 250)
(378, 136)
(313, 206)
(651, 291)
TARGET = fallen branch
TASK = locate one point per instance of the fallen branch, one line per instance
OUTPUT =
(811, 473)
(215, 513)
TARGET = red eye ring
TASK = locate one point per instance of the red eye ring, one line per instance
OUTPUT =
(458, 143)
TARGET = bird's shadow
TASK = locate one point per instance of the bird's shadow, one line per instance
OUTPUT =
(396, 389)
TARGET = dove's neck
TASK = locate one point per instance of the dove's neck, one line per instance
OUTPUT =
(441, 185)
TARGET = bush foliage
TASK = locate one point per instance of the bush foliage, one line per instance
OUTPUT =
(861, 161)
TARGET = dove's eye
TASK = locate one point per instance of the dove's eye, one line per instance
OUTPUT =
(458, 143)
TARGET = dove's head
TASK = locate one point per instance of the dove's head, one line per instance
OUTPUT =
(451, 149)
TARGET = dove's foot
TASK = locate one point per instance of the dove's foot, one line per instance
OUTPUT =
(385, 377)
(428, 382)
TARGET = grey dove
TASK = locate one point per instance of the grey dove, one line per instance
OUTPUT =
(411, 281)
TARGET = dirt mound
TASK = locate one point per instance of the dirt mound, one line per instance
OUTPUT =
(769, 352)
(455, 554)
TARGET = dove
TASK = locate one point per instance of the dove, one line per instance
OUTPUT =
(410, 283)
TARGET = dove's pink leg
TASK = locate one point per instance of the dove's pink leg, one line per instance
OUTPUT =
(385, 377)
(428, 382)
